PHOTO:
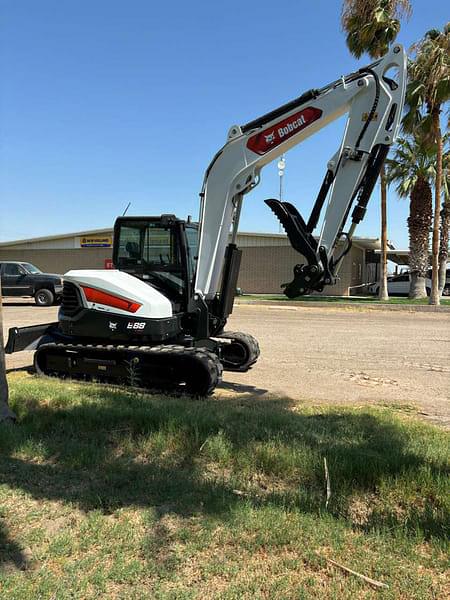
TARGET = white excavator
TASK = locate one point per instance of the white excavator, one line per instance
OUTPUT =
(157, 321)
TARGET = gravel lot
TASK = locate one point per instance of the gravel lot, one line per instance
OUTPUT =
(327, 354)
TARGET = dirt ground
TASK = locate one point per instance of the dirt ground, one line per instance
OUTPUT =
(323, 354)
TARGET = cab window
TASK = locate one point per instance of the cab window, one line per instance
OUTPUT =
(192, 244)
(148, 244)
(151, 251)
(160, 247)
(13, 269)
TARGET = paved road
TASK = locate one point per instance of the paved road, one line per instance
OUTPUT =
(327, 354)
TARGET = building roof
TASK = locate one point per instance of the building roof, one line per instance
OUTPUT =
(46, 238)
(400, 257)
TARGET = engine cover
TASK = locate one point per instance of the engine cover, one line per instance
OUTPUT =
(120, 285)
(115, 306)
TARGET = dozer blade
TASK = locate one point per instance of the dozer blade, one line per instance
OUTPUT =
(28, 338)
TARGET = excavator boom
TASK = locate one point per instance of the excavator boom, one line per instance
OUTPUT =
(374, 103)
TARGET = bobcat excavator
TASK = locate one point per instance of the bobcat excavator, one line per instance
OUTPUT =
(158, 320)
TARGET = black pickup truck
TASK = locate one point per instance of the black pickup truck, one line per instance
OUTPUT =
(21, 279)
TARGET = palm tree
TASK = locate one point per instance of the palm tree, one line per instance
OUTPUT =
(371, 26)
(428, 90)
(445, 223)
(412, 169)
(6, 413)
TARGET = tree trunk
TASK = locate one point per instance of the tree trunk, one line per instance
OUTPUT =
(417, 286)
(6, 413)
(443, 247)
(435, 296)
(419, 223)
(383, 293)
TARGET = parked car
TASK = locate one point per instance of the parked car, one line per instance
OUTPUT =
(446, 290)
(21, 279)
(398, 285)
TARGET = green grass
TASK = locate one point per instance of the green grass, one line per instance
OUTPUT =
(340, 299)
(109, 493)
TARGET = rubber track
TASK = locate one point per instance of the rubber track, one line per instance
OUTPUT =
(211, 366)
(247, 340)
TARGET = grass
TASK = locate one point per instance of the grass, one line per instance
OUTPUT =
(112, 493)
(340, 299)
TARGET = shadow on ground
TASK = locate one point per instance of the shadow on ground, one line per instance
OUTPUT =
(10, 553)
(12, 303)
(242, 388)
(88, 455)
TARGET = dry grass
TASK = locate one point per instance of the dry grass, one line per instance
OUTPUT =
(109, 493)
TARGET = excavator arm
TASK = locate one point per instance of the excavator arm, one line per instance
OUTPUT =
(374, 103)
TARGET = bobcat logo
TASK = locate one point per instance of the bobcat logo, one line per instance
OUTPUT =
(270, 138)
(112, 326)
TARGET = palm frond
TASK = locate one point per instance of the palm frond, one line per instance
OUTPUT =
(411, 160)
(429, 72)
(372, 25)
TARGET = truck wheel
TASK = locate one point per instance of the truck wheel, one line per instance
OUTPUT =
(44, 297)
(428, 290)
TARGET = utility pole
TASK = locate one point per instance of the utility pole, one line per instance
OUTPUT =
(281, 168)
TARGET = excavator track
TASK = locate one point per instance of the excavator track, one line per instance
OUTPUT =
(240, 353)
(167, 368)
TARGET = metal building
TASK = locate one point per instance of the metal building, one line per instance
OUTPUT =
(267, 258)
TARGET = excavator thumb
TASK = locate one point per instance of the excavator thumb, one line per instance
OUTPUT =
(315, 274)
(295, 228)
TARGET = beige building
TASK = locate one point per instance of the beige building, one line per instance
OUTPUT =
(267, 258)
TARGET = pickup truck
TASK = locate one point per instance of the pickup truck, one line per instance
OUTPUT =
(22, 279)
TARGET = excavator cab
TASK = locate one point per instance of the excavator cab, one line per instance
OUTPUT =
(160, 251)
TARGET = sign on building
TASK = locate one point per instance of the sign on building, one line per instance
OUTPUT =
(103, 241)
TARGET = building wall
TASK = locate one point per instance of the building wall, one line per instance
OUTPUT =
(55, 243)
(73, 241)
(245, 240)
(352, 272)
(263, 268)
(62, 260)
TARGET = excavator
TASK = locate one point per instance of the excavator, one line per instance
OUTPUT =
(157, 321)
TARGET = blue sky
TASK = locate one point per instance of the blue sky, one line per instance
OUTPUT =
(105, 102)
